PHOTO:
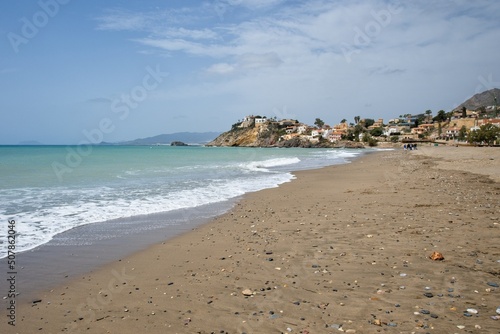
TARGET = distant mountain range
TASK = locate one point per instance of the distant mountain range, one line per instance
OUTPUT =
(167, 139)
(484, 99)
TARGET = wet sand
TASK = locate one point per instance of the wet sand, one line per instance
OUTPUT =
(340, 248)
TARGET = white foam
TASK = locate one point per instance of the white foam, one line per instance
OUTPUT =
(41, 213)
(266, 164)
(37, 227)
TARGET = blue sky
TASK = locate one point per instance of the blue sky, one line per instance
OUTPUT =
(74, 71)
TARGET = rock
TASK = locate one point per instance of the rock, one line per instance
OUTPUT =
(472, 311)
(493, 284)
(36, 301)
(247, 292)
(498, 310)
(436, 256)
(429, 294)
(178, 143)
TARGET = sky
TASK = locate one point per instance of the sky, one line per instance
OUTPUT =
(74, 71)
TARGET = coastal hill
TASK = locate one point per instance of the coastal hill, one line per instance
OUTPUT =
(257, 131)
(480, 100)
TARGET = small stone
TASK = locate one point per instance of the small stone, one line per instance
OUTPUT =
(36, 301)
(247, 292)
(460, 326)
(467, 314)
(425, 312)
(336, 326)
(429, 294)
(493, 284)
(495, 317)
(498, 310)
(377, 322)
(392, 324)
(472, 310)
(436, 256)
(402, 275)
(434, 316)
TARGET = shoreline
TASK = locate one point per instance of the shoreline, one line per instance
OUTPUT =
(323, 252)
(86, 248)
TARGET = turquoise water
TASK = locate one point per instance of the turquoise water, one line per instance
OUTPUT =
(51, 189)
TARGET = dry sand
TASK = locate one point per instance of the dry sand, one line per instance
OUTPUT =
(340, 249)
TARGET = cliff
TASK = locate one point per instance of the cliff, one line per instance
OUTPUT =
(268, 135)
(264, 135)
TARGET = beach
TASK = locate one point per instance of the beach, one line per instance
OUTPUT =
(344, 248)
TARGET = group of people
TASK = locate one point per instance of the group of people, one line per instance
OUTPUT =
(410, 146)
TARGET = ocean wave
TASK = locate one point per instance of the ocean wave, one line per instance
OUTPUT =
(263, 166)
(39, 226)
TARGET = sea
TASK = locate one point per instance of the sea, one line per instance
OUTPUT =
(48, 190)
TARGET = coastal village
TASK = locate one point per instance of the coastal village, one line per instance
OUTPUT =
(470, 123)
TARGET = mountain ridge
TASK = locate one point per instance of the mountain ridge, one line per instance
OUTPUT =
(483, 99)
(167, 139)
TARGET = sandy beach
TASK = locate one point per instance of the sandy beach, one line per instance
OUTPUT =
(340, 249)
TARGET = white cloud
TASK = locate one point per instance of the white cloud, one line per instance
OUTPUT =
(221, 68)
(293, 55)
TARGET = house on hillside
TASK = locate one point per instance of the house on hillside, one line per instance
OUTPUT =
(317, 133)
(260, 120)
(302, 128)
(378, 124)
(335, 136)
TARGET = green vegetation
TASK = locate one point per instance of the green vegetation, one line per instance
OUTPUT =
(440, 117)
(369, 122)
(377, 132)
(486, 134)
(319, 123)
(462, 133)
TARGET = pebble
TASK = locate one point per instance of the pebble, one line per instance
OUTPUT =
(336, 326)
(472, 310)
(429, 294)
(493, 284)
(392, 324)
(495, 317)
(247, 292)
(425, 312)
(460, 327)
(402, 275)
(498, 310)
